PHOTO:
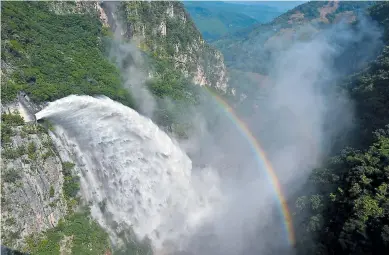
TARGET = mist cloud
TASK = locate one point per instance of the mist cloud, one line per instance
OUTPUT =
(130, 60)
(305, 112)
(134, 74)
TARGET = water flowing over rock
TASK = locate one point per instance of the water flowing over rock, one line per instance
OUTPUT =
(132, 173)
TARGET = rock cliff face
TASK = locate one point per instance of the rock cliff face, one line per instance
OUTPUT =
(79, 7)
(167, 31)
(31, 187)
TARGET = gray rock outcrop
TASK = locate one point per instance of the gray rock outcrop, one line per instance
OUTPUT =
(32, 199)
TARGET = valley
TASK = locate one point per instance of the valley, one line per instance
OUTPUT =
(213, 128)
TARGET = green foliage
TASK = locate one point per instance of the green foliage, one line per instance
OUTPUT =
(85, 237)
(56, 55)
(143, 17)
(67, 167)
(356, 204)
(369, 88)
(310, 11)
(31, 150)
(353, 186)
(171, 83)
(51, 192)
(6, 134)
(105, 31)
(47, 154)
(11, 175)
(47, 143)
(71, 184)
(30, 129)
(13, 153)
(8, 130)
(9, 89)
(12, 119)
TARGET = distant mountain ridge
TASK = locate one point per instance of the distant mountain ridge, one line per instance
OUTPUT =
(258, 41)
(215, 19)
(282, 6)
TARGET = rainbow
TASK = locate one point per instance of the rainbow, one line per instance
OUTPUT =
(263, 161)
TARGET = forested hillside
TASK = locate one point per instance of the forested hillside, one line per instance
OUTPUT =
(29, 58)
(348, 208)
(251, 49)
(50, 56)
(165, 30)
(219, 19)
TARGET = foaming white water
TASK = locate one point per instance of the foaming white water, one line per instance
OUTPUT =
(128, 163)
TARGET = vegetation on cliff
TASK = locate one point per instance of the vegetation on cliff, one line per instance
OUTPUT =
(166, 31)
(348, 206)
(51, 56)
(49, 204)
(176, 58)
(77, 233)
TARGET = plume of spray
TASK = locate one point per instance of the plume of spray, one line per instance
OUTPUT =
(304, 99)
(136, 70)
(130, 61)
(134, 75)
(298, 122)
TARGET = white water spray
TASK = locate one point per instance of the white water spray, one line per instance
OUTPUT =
(128, 163)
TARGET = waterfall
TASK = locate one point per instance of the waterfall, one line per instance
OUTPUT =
(126, 162)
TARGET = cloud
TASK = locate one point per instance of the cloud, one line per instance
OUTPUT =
(130, 60)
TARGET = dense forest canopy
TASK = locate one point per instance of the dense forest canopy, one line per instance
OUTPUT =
(348, 208)
(51, 56)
